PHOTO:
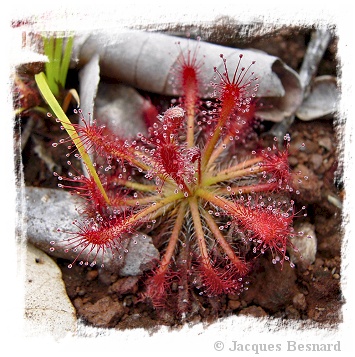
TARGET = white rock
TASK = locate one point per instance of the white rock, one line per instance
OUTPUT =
(48, 310)
(321, 101)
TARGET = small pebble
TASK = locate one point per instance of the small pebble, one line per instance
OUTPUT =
(306, 243)
(124, 285)
(253, 310)
(316, 160)
(299, 301)
(92, 275)
(326, 143)
(234, 304)
(293, 161)
(292, 313)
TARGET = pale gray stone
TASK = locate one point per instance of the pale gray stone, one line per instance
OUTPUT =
(45, 210)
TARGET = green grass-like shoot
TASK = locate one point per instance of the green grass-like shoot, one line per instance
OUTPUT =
(58, 61)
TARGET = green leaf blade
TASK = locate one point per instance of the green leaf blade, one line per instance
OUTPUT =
(58, 111)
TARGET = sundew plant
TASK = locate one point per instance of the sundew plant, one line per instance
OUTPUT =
(212, 209)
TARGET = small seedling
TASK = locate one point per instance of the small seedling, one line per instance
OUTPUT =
(58, 51)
